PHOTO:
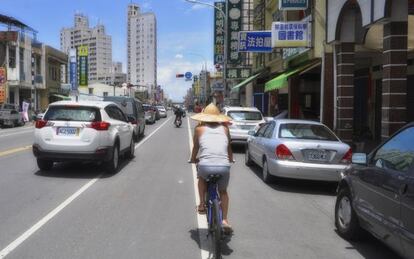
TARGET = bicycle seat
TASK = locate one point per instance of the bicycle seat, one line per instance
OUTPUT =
(213, 178)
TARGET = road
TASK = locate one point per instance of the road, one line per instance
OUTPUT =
(147, 210)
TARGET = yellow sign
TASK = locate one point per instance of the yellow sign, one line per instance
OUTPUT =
(83, 51)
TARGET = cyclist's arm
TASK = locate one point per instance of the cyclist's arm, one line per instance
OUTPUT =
(196, 145)
(229, 150)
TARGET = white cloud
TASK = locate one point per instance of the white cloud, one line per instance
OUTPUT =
(198, 7)
(179, 56)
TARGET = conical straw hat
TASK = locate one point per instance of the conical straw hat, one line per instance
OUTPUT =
(211, 114)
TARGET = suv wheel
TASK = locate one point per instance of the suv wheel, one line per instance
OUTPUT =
(111, 166)
(346, 220)
(44, 165)
(131, 152)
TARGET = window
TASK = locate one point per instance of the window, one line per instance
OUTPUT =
(262, 130)
(66, 113)
(12, 57)
(115, 113)
(105, 94)
(245, 115)
(398, 153)
(90, 90)
(306, 131)
(269, 131)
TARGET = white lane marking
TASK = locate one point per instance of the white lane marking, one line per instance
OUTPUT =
(17, 133)
(152, 133)
(13, 245)
(201, 219)
(44, 220)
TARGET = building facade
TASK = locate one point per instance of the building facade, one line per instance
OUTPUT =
(142, 49)
(98, 42)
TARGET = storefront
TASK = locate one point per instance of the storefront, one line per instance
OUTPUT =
(372, 67)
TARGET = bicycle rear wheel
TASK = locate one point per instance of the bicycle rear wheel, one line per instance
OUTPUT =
(217, 230)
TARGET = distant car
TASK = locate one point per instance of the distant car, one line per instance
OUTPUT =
(149, 114)
(298, 149)
(244, 120)
(377, 194)
(10, 115)
(163, 112)
(157, 112)
(83, 131)
(132, 107)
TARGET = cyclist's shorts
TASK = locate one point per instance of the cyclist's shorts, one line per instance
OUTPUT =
(205, 170)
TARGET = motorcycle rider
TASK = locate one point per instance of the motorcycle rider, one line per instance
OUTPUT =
(178, 114)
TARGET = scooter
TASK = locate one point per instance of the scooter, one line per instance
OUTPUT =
(178, 122)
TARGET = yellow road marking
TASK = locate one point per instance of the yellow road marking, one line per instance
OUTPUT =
(14, 150)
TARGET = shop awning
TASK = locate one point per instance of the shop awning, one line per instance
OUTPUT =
(64, 98)
(246, 81)
(281, 80)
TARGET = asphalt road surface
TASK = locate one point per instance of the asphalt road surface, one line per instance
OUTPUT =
(147, 210)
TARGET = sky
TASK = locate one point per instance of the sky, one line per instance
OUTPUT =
(185, 31)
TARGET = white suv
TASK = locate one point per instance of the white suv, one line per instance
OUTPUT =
(83, 131)
(244, 120)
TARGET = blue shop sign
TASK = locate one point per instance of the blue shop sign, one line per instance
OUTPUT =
(293, 4)
(255, 41)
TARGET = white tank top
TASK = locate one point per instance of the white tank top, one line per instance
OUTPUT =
(213, 147)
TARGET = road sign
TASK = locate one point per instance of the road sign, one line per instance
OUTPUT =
(188, 75)
(255, 41)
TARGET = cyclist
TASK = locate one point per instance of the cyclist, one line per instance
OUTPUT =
(213, 154)
(178, 113)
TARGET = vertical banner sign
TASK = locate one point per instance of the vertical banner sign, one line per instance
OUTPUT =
(3, 80)
(83, 65)
(73, 70)
(233, 27)
(219, 32)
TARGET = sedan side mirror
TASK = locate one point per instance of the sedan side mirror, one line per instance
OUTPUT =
(132, 119)
(359, 159)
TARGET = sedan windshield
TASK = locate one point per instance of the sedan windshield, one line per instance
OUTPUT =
(68, 113)
(245, 115)
(306, 131)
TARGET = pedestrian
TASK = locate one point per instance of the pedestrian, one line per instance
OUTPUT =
(213, 154)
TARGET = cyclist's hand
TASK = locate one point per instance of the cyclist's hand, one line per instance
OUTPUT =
(192, 161)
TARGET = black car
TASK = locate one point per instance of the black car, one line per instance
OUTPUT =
(133, 108)
(376, 194)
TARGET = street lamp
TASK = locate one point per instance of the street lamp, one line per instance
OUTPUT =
(225, 37)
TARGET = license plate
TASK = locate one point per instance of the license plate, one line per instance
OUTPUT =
(246, 127)
(65, 131)
(317, 156)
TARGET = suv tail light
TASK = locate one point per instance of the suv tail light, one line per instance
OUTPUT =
(100, 125)
(43, 123)
(347, 157)
(283, 153)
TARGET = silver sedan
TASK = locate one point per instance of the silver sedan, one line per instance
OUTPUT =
(297, 149)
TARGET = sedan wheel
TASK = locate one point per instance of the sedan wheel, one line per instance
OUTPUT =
(131, 151)
(346, 220)
(267, 178)
(247, 160)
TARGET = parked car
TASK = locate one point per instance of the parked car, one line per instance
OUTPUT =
(133, 108)
(157, 112)
(149, 114)
(377, 194)
(10, 115)
(244, 120)
(297, 149)
(163, 112)
(83, 131)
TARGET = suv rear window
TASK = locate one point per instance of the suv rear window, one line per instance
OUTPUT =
(245, 115)
(72, 113)
(306, 131)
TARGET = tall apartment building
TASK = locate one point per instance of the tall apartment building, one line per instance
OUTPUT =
(142, 49)
(99, 43)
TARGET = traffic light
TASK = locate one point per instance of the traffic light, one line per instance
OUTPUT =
(179, 75)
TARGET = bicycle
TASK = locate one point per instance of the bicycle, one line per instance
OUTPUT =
(214, 213)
